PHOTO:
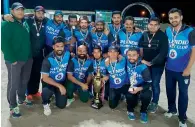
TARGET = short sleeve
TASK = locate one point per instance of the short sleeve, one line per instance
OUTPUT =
(45, 66)
(70, 67)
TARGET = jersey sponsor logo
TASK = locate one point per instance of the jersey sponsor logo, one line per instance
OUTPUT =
(173, 54)
(59, 76)
(117, 81)
(52, 31)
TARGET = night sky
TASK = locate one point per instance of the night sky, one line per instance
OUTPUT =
(159, 6)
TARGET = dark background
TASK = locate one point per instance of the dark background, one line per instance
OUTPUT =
(158, 6)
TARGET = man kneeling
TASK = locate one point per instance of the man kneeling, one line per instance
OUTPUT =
(53, 76)
(140, 82)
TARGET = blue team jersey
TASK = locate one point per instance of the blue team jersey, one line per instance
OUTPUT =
(81, 72)
(84, 38)
(100, 39)
(114, 31)
(56, 70)
(102, 65)
(118, 77)
(126, 43)
(51, 31)
(68, 37)
(179, 50)
(139, 73)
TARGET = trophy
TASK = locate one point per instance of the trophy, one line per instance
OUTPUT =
(133, 82)
(97, 85)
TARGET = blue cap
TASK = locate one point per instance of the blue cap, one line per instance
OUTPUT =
(39, 8)
(17, 5)
(58, 12)
(115, 48)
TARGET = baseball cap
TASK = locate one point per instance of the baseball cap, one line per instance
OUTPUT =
(58, 12)
(100, 21)
(39, 8)
(17, 5)
(115, 48)
(58, 39)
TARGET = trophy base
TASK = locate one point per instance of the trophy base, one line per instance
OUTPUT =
(96, 105)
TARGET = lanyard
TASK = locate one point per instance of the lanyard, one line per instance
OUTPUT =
(174, 36)
(36, 26)
(150, 40)
(128, 37)
(99, 38)
(81, 65)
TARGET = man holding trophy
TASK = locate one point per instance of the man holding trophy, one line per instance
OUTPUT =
(140, 83)
(99, 85)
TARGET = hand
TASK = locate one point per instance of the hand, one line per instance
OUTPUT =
(103, 80)
(8, 18)
(72, 54)
(106, 31)
(107, 61)
(84, 86)
(62, 89)
(146, 63)
(136, 90)
(186, 72)
(14, 63)
(105, 55)
(93, 30)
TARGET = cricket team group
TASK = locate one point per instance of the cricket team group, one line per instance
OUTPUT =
(67, 57)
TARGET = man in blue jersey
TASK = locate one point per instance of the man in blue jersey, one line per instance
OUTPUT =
(82, 34)
(116, 25)
(54, 76)
(154, 47)
(52, 30)
(99, 62)
(127, 37)
(80, 71)
(181, 57)
(117, 76)
(101, 37)
(140, 83)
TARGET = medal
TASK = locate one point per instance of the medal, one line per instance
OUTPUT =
(36, 27)
(174, 37)
(116, 32)
(113, 69)
(60, 69)
(150, 40)
(84, 36)
(59, 63)
(133, 80)
(81, 67)
(99, 38)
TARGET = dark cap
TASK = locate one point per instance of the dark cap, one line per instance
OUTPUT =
(17, 5)
(115, 48)
(39, 8)
(58, 39)
(58, 12)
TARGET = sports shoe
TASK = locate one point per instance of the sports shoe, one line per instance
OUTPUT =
(29, 97)
(15, 112)
(170, 114)
(25, 102)
(182, 124)
(152, 107)
(131, 115)
(47, 110)
(144, 118)
(69, 102)
(38, 94)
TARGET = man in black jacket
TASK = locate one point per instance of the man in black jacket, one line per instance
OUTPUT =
(154, 48)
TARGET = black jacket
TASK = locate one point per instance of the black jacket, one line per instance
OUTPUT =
(157, 53)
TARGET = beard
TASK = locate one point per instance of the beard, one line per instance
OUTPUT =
(59, 52)
(38, 19)
(175, 24)
(82, 56)
(99, 30)
(58, 21)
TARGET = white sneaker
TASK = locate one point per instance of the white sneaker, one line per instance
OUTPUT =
(69, 102)
(182, 124)
(170, 114)
(47, 110)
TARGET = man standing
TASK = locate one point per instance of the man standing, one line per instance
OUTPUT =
(16, 48)
(82, 35)
(101, 37)
(127, 37)
(54, 76)
(154, 48)
(116, 25)
(80, 71)
(37, 37)
(52, 29)
(181, 57)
